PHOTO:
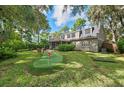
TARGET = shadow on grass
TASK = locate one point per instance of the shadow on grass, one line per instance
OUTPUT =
(103, 59)
(68, 76)
(108, 58)
(45, 70)
(108, 65)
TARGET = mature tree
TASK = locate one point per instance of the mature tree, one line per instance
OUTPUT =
(15, 17)
(64, 29)
(44, 35)
(42, 25)
(26, 19)
(79, 24)
(56, 35)
(110, 17)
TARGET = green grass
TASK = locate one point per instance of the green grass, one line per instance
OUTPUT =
(46, 64)
(46, 61)
(77, 69)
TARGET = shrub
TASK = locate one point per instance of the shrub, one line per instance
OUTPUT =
(66, 47)
(6, 52)
(14, 44)
(31, 46)
(34, 45)
(42, 44)
(110, 50)
(120, 44)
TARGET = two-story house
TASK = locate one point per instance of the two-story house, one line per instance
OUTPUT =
(90, 39)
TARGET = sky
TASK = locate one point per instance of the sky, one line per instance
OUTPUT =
(57, 19)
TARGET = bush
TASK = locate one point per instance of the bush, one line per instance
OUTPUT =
(42, 44)
(110, 50)
(6, 52)
(34, 46)
(14, 44)
(66, 47)
(31, 46)
(120, 44)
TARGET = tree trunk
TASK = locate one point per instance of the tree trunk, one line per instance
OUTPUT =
(112, 30)
(115, 48)
(113, 36)
(38, 38)
(121, 20)
(21, 34)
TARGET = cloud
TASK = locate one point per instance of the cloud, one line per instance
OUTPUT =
(62, 18)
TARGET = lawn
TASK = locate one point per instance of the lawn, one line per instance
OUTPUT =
(77, 69)
(46, 64)
(46, 61)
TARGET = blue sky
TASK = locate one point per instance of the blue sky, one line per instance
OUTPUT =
(57, 19)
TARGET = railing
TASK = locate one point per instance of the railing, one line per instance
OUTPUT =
(69, 39)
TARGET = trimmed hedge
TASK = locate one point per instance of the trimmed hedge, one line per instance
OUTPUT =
(66, 47)
(120, 44)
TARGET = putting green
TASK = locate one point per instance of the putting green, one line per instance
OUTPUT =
(45, 61)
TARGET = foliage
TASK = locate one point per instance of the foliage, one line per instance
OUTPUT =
(120, 44)
(6, 52)
(27, 20)
(43, 44)
(110, 50)
(18, 24)
(66, 47)
(79, 24)
(15, 44)
(44, 39)
(64, 29)
(56, 35)
(110, 18)
(31, 46)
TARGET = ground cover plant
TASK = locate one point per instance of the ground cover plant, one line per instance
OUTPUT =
(121, 45)
(66, 47)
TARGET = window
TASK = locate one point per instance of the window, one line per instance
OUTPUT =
(50, 37)
(73, 34)
(92, 29)
(87, 31)
(82, 44)
(68, 35)
(62, 36)
(80, 33)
